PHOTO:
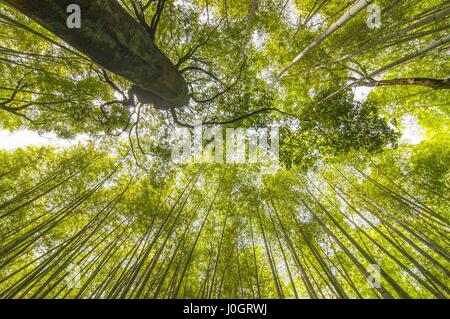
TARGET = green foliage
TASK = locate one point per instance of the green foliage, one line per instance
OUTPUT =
(350, 193)
(336, 127)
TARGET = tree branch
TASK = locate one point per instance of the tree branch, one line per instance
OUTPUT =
(237, 119)
(436, 84)
(156, 17)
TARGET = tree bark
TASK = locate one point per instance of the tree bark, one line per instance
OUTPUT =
(115, 41)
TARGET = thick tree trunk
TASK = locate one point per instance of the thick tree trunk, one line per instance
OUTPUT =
(436, 84)
(115, 41)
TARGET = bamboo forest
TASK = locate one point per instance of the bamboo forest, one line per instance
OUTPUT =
(347, 99)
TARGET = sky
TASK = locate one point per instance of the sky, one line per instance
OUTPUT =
(24, 138)
(413, 133)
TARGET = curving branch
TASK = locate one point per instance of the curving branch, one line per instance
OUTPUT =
(236, 119)
(227, 89)
(195, 48)
(199, 69)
